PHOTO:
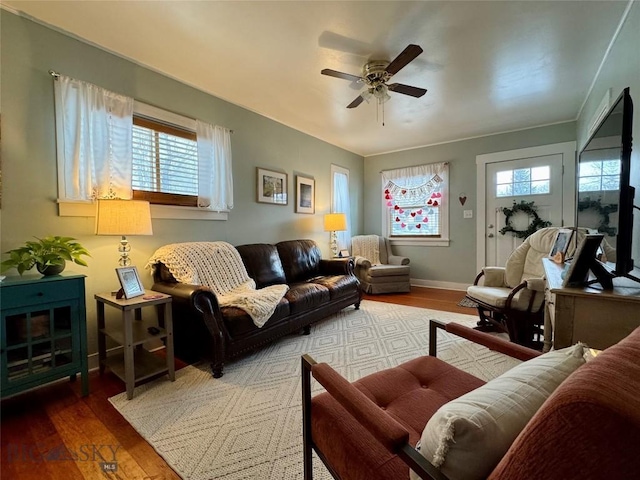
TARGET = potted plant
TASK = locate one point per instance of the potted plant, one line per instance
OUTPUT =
(48, 254)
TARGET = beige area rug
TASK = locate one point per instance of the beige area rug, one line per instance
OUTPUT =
(248, 424)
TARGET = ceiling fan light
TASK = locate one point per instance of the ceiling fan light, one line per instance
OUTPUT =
(366, 95)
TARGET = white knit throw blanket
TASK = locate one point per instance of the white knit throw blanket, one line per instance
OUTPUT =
(218, 265)
(367, 246)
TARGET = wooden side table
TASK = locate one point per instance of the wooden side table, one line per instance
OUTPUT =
(135, 365)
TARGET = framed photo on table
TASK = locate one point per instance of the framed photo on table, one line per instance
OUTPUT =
(130, 282)
(305, 195)
(272, 187)
(561, 243)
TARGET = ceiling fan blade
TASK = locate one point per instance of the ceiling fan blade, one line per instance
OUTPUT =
(344, 76)
(407, 89)
(406, 57)
(359, 99)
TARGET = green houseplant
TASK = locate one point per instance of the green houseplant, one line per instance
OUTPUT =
(48, 254)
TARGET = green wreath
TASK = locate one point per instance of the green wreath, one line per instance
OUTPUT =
(603, 210)
(524, 207)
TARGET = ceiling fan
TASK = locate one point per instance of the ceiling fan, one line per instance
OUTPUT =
(376, 74)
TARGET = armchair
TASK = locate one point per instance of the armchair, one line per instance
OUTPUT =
(377, 268)
(367, 430)
(511, 298)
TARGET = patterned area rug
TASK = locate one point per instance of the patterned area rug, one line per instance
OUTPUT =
(248, 424)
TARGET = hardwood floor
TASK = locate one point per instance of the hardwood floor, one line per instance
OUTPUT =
(54, 433)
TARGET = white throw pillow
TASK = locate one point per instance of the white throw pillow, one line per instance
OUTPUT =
(467, 437)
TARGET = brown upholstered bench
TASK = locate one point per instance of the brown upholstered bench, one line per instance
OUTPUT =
(587, 428)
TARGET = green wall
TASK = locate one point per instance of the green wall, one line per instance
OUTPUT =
(457, 262)
(620, 70)
(30, 50)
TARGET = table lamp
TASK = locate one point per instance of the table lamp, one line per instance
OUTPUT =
(335, 222)
(123, 217)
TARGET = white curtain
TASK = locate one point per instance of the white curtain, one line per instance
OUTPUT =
(414, 176)
(215, 178)
(341, 204)
(94, 135)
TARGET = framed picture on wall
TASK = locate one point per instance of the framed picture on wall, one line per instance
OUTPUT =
(305, 195)
(272, 187)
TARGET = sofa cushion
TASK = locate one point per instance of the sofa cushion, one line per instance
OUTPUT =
(467, 437)
(338, 285)
(425, 381)
(387, 270)
(306, 296)
(300, 259)
(239, 323)
(263, 264)
(497, 296)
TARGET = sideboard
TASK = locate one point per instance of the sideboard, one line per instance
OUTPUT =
(43, 331)
(588, 314)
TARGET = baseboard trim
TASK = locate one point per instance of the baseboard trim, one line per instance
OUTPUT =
(418, 282)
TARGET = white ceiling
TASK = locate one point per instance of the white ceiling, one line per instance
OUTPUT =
(488, 66)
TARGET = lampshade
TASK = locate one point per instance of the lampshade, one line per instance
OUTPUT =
(335, 222)
(123, 217)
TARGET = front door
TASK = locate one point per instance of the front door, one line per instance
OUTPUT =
(535, 179)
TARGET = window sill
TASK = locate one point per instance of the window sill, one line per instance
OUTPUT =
(88, 209)
(420, 242)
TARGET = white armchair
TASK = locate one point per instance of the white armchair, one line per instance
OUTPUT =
(511, 298)
(377, 268)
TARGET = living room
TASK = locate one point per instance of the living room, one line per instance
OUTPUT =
(29, 208)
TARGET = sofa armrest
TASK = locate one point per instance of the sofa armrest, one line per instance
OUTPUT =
(398, 260)
(382, 426)
(487, 340)
(336, 266)
(201, 304)
(362, 262)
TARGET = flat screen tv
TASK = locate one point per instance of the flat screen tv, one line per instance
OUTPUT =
(605, 197)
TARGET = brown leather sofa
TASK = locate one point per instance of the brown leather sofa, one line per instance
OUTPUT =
(317, 289)
(588, 428)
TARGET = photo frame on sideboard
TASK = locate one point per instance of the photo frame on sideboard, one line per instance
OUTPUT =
(305, 194)
(585, 261)
(130, 282)
(562, 242)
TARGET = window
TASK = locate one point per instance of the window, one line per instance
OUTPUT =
(416, 204)
(523, 181)
(165, 163)
(110, 146)
(340, 202)
(600, 175)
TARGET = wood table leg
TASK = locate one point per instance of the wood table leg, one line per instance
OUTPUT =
(129, 369)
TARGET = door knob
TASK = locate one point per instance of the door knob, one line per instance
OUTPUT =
(490, 225)
(490, 235)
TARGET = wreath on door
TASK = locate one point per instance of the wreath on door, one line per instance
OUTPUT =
(603, 211)
(536, 223)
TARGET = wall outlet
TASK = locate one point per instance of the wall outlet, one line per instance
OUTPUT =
(467, 214)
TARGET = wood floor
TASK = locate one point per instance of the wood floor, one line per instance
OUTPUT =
(54, 433)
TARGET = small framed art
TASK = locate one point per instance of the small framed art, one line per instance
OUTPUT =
(305, 195)
(561, 243)
(272, 187)
(130, 282)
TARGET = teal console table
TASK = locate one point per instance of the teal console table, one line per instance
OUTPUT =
(43, 331)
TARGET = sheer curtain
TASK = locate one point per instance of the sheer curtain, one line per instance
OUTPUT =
(215, 178)
(94, 135)
(341, 204)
